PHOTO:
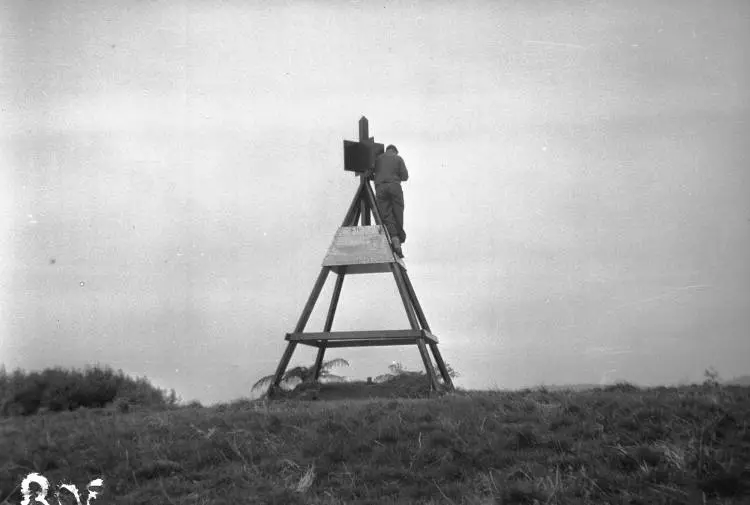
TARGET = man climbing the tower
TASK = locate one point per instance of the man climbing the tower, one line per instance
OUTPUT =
(388, 174)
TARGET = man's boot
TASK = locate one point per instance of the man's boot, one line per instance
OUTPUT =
(397, 246)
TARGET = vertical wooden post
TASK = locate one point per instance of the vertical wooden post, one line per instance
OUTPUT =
(364, 137)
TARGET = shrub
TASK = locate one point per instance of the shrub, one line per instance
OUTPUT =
(58, 389)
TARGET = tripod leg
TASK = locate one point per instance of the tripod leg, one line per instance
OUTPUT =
(273, 389)
(329, 323)
(428, 364)
(319, 361)
(403, 291)
(423, 321)
(441, 366)
(301, 323)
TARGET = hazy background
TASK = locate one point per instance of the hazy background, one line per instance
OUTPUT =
(171, 176)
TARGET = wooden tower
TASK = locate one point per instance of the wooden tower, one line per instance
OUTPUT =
(361, 248)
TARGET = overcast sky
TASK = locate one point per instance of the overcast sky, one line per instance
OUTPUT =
(171, 176)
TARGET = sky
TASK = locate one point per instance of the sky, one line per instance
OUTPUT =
(171, 177)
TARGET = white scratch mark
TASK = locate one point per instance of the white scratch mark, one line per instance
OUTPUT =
(554, 44)
(668, 294)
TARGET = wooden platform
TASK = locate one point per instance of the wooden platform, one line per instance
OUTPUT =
(370, 338)
(360, 250)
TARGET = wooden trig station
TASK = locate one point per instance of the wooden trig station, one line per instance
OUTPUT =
(359, 247)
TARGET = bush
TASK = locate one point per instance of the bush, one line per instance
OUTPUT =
(58, 389)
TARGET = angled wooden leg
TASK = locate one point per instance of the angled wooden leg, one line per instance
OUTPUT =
(354, 207)
(423, 321)
(441, 366)
(334, 301)
(413, 297)
(370, 196)
(328, 324)
(355, 217)
(319, 361)
(403, 291)
(428, 365)
(273, 389)
(305, 316)
(364, 207)
(301, 323)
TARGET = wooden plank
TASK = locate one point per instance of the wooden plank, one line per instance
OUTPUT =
(372, 268)
(371, 343)
(359, 245)
(354, 335)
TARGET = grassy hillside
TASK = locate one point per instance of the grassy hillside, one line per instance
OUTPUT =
(617, 445)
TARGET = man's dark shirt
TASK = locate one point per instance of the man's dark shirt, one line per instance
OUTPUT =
(390, 167)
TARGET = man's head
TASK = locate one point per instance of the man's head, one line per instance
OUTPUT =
(391, 148)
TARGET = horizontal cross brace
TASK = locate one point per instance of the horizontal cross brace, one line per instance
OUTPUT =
(360, 343)
(379, 335)
(372, 268)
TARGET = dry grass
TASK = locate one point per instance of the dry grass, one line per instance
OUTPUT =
(667, 445)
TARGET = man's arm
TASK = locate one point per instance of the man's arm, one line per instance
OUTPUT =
(402, 172)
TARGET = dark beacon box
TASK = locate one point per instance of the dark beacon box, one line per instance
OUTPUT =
(360, 156)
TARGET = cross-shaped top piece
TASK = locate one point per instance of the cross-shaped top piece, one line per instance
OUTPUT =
(359, 157)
